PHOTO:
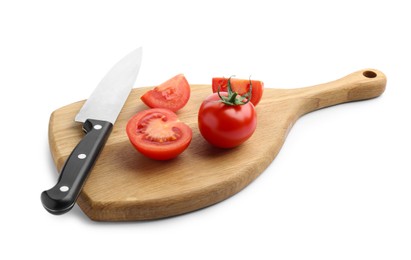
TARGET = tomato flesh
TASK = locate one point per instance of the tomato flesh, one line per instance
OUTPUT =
(223, 125)
(172, 94)
(158, 134)
(241, 86)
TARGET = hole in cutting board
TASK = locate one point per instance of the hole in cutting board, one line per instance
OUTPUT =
(369, 74)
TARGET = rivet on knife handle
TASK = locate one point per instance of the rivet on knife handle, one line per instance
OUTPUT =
(62, 197)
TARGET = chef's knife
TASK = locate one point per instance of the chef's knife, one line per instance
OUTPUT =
(98, 115)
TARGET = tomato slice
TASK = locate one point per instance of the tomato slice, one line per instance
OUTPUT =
(172, 94)
(241, 86)
(158, 134)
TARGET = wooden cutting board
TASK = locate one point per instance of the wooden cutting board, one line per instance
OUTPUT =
(124, 185)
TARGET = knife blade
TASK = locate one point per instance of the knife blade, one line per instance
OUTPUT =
(98, 116)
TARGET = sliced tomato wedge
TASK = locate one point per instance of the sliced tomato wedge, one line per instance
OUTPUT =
(241, 86)
(172, 94)
(158, 134)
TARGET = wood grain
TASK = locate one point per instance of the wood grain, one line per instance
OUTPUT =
(125, 186)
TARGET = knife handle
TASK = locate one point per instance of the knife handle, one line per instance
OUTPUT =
(62, 197)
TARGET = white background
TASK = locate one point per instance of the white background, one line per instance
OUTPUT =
(340, 188)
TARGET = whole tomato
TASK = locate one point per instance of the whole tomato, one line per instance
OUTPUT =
(226, 124)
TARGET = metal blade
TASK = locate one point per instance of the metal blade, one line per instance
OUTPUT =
(111, 93)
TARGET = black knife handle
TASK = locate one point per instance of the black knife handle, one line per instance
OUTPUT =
(62, 197)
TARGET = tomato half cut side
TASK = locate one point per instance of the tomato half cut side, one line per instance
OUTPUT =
(172, 94)
(241, 86)
(158, 134)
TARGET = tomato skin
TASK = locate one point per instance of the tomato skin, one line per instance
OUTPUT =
(158, 134)
(223, 125)
(241, 86)
(172, 94)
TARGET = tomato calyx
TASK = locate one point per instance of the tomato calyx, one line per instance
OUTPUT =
(233, 98)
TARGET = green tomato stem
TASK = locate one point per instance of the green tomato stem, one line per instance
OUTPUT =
(233, 98)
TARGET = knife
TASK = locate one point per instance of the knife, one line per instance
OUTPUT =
(98, 115)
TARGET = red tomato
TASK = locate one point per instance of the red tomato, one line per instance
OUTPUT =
(241, 86)
(172, 94)
(226, 126)
(158, 134)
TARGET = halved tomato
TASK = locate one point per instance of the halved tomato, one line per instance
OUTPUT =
(172, 94)
(158, 134)
(241, 86)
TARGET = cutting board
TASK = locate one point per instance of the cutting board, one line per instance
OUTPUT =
(124, 185)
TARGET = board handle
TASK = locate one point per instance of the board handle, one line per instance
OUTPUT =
(360, 85)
